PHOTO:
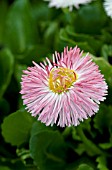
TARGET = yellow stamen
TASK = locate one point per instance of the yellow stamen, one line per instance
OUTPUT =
(61, 79)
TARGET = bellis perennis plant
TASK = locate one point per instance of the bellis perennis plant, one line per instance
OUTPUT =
(63, 91)
(66, 3)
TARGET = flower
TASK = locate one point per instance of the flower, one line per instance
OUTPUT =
(63, 91)
(66, 3)
(108, 7)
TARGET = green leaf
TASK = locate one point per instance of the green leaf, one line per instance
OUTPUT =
(101, 163)
(107, 51)
(50, 33)
(86, 125)
(106, 36)
(6, 69)
(35, 53)
(4, 107)
(82, 162)
(110, 131)
(90, 19)
(105, 145)
(3, 12)
(75, 135)
(106, 70)
(84, 167)
(39, 127)
(67, 131)
(16, 127)
(80, 149)
(19, 71)
(94, 43)
(103, 119)
(41, 12)
(17, 164)
(63, 35)
(47, 148)
(4, 168)
(104, 52)
(21, 30)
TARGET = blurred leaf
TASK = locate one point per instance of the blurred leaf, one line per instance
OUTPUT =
(51, 33)
(110, 50)
(41, 12)
(4, 108)
(3, 12)
(4, 168)
(39, 127)
(16, 127)
(106, 51)
(84, 167)
(67, 131)
(64, 36)
(6, 69)
(94, 43)
(106, 70)
(103, 119)
(90, 19)
(19, 71)
(106, 36)
(70, 42)
(105, 145)
(75, 135)
(12, 164)
(35, 53)
(80, 149)
(68, 17)
(47, 148)
(110, 130)
(31, 168)
(17, 164)
(86, 125)
(21, 30)
(101, 163)
(81, 163)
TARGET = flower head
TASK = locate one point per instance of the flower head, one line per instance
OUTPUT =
(67, 3)
(108, 7)
(63, 91)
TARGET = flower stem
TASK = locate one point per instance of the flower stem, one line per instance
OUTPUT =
(91, 147)
(54, 158)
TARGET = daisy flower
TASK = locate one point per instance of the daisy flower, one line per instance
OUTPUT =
(63, 91)
(67, 3)
(108, 7)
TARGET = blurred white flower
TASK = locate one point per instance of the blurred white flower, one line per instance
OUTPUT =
(108, 7)
(67, 3)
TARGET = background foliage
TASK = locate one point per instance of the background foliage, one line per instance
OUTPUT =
(29, 30)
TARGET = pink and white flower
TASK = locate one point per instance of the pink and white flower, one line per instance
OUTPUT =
(64, 91)
(67, 3)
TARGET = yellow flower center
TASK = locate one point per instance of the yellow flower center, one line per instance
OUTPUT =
(61, 79)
